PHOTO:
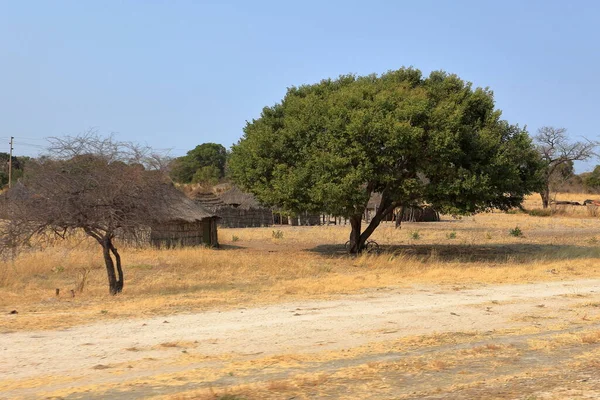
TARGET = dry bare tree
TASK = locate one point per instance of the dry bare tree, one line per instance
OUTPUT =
(91, 183)
(556, 151)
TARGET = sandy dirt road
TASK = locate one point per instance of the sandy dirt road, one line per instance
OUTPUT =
(332, 339)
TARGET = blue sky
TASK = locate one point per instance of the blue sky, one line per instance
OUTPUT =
(174, 74)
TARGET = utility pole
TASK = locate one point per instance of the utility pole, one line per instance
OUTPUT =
(10, 163)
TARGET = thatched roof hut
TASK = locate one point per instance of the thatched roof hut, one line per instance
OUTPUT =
(236, 198)
(183, 222)
(242, 210)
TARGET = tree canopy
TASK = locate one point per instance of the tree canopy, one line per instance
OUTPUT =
(558, 154)
(327, 147)
(89, 183)
(204, 164)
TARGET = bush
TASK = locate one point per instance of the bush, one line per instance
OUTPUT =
(277, 234)
(540, 212)
(516, 232)
(451, 235)
(415, 235)
(235, 238)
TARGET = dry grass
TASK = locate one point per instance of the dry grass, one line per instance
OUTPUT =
(307, 262)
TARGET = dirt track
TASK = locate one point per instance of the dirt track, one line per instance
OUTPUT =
(171, 354)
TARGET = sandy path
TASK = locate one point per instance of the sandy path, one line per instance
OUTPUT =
(290, 328)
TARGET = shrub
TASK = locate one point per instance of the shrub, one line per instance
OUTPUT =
(415, 235)
(451, 235)
(277, 234)
(235, 238)
(516, 232)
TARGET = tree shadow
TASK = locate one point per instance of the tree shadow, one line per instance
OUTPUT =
(230, 247)
(477, 253)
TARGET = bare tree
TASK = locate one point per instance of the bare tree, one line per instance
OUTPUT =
(556, 151)
(90, 183)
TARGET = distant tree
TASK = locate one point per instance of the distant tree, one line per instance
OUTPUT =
(557, 153)
(327, 147)
(208, 175)
(205, 163)
(89, 183)
(18, 166)
(562, 176)
(592, 179)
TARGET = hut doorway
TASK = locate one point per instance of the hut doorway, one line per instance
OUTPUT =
(206, 232)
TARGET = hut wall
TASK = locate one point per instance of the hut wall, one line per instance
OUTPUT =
(417, 214)
(232, 217)
(280, 219)
(183, 234)
(140, 237)
(308, 219)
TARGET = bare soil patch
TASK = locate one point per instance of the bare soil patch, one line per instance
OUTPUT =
(426, 341)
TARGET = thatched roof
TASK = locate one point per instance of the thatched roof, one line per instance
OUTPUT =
(178, 207)
(207, 199)
(235, 197)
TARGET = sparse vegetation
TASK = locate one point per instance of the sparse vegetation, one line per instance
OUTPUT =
(516, 232)
(537, 212)
(184, 280)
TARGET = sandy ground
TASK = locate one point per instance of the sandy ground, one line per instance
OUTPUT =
(166, 355)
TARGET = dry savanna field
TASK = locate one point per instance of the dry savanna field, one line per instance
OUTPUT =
(458, 309)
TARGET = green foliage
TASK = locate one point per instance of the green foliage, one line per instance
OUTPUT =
(327, 147)
(592, 180)
(277, 234)
(516, 232)
(203, 164)
(235, 238)
(209, 175)
(451, 235)
(18, 167)
(415, 235)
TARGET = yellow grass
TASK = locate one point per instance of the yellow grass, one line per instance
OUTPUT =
(254, 267)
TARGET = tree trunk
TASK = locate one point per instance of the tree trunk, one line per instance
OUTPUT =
(115, 285)
(399, 217)
(545, 194)
(355, 245)
(119, 283)
(358, 239)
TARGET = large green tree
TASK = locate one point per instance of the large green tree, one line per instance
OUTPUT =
(204, 164)
(327, 147)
